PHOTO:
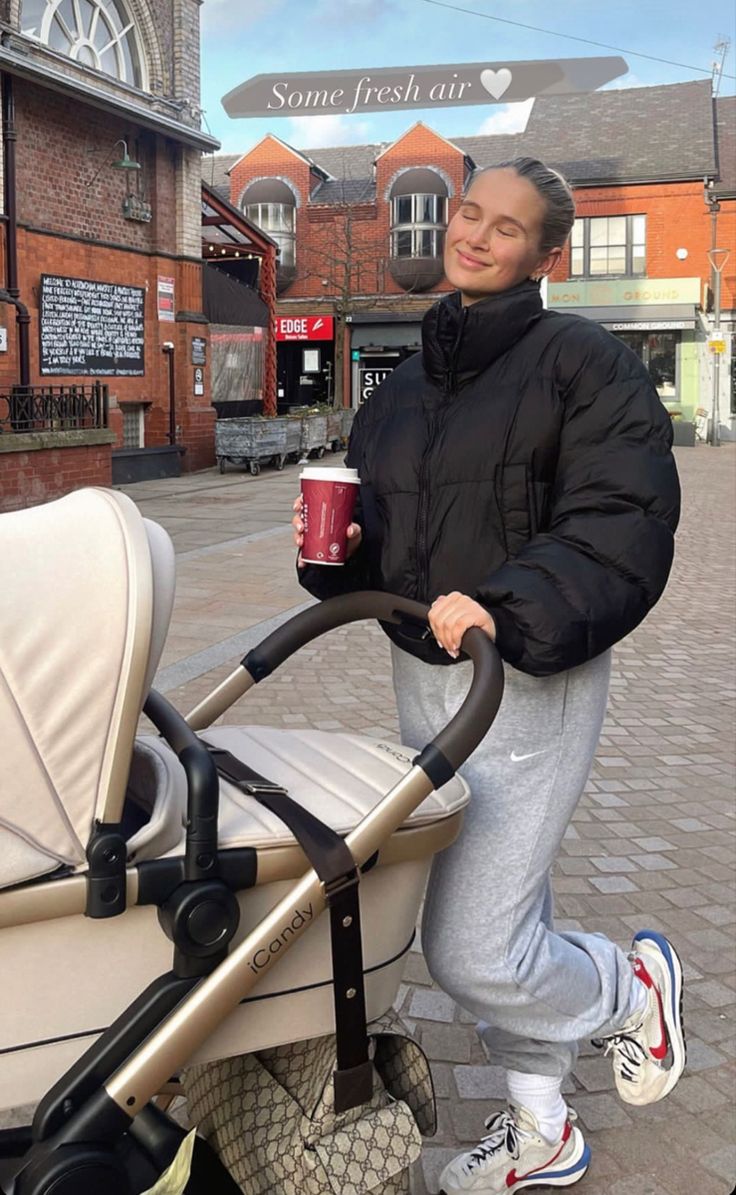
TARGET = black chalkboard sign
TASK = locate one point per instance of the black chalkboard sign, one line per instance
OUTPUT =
(90, 328)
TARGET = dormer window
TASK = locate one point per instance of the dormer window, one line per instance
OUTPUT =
(418, 223)
(99, 34)
(271, 204)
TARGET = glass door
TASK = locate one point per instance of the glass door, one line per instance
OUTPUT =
(658, 351)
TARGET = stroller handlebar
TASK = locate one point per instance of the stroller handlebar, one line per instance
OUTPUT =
(452, 746)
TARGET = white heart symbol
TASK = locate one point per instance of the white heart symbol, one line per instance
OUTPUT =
(496, 82)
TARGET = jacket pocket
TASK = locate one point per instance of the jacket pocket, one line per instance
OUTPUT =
(538, 494)
(512, 494)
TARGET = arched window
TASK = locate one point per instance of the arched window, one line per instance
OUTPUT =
(97, 33)
(418, 223)
(271, 204)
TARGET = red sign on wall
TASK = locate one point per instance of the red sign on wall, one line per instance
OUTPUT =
(305, 327)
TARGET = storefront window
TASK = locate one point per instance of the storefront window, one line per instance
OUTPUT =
(658, 351)
(608, 246)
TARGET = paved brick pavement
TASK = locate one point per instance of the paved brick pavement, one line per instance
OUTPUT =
(652, 843)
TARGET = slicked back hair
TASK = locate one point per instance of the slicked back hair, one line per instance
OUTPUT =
(552, 188)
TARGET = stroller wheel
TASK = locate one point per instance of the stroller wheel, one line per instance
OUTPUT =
(75, 1170)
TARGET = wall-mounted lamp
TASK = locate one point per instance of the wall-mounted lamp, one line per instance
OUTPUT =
(126, 162)
(123, 163)
(681, 254)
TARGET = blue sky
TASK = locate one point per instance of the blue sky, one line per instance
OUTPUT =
(271, 36)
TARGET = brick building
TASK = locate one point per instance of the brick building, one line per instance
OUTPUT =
(102, 241)
(360, 234)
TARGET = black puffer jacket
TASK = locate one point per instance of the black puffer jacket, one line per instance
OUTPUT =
(523, 458)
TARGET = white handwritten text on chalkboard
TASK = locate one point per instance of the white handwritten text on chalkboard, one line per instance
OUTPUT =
(91, 328)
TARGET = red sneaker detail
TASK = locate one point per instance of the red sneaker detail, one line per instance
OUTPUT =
(657, 1052)
(512, 1177)
(641, 973)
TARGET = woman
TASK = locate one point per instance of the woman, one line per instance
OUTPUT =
(517, 475)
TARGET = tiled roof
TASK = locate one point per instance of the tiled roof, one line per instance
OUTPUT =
(345, 190)
(215, 171)
(726, 134)
(621, 135)
(626, 135)
(347, 161)
(486, 151)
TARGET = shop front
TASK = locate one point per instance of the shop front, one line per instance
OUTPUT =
(657, 319)
(305, 360)
(378, 343)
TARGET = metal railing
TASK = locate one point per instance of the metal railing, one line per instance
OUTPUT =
(54, 408)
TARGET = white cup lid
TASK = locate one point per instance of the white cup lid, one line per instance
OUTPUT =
(322, 473)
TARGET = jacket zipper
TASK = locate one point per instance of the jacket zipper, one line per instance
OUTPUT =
(449, 390)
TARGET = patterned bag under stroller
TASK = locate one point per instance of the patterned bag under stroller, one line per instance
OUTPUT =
(228, 843)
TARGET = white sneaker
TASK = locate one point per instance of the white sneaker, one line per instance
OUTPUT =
(514, 1156)
(649, 1052)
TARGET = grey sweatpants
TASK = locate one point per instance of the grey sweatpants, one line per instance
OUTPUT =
(487, 934)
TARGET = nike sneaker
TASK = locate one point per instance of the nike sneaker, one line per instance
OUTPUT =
(649, 1052)
(515, 1156)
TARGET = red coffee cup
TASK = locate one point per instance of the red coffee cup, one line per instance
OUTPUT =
(327, 511)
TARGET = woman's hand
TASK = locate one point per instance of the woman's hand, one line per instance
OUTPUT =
(450, 616)
(355, 533)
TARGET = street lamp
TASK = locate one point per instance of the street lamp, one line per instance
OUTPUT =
(717, 259)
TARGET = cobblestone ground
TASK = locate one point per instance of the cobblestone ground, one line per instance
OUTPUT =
(652, 842)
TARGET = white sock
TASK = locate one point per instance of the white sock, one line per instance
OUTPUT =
(541, 1095)
(638, 999)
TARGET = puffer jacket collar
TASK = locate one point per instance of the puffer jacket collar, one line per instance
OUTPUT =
(460, 342)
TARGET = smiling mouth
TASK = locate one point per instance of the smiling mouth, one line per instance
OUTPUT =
(471, 262)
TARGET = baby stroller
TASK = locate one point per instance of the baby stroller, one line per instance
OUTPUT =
(226, 844)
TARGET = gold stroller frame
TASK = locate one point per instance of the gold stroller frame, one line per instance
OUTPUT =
(76, 1143)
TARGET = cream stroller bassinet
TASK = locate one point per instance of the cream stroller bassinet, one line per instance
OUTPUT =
(112, 848)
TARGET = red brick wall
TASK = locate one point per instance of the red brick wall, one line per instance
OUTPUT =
(327, 240)
(270, 159)
(30, 478)
(676, 218)
(39, 254)
(52, 146)
(420, 146)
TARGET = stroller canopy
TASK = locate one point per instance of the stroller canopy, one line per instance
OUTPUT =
(85, 602)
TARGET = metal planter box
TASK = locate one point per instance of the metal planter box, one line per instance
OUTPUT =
(314, 435)
(348, 415)
(334, 429)
(251, 440)
(293, 436)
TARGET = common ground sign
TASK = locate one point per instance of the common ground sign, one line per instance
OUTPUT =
(394, 88)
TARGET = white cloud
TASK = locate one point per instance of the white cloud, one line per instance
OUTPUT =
(507, 118)
(627, 80)
(218, 15)
(331, 129)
